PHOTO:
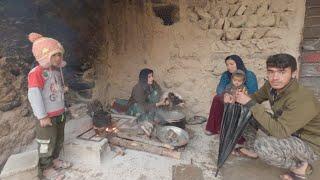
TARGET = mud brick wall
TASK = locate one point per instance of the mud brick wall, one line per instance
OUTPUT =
(188, 55)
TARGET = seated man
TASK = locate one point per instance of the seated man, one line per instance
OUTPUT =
(293, 128)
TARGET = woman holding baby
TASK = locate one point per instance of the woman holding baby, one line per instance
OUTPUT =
(229, 81)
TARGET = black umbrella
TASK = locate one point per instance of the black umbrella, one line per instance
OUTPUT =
(235, 119)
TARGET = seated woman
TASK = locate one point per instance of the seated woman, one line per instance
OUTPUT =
(233, 64)
(145, 97)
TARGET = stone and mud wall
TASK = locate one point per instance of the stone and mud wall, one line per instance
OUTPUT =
(187, 51)
(109, 42)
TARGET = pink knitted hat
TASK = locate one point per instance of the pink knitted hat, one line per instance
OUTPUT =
(43, 48)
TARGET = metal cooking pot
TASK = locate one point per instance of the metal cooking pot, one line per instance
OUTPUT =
(172, 135)
(174, 118)
(101, 119)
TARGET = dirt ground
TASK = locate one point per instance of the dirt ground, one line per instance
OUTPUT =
(256, 169)
(202, 151)
(142, 166)
(137, 165)
(180, 51)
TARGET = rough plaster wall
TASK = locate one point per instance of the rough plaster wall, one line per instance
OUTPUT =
(188, 56)
(16, 125)
(75, 26)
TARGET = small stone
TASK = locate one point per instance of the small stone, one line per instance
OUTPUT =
(220, 46)
(215, 34)
(232, 1)
(278, 20)
(259, 33)
(246, 43)
(4, 129)
(204, 24)
(291, 6)
(24, 112)
(241, 10)
(232, 34)
(251, 9)
(252, 21)
(275, 33)
(267, 21)
(233, 10)
(207, 7)
(284, 18)
(238, 21)
(224, 11)
(278, 6)
(212, 23)
(219, 23)
(262, 10)
(193, 17)
(226, 24)
(203, 14)
(262, 45)
(215, 12)
(246, 34)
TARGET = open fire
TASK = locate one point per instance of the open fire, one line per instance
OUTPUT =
(116, 134)
(103, 131)
(112, 130)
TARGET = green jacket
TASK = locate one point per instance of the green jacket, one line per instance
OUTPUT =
(295, 109)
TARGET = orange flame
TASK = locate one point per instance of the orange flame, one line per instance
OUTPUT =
(110, 130)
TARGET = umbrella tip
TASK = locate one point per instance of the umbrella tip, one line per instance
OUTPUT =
(216, 173)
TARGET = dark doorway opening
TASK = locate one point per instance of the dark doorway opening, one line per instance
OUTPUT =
(168, 13)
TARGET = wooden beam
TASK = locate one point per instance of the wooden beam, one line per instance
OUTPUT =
(143, 140)
(144, 147)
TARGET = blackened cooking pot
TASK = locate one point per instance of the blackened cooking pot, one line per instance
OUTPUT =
(174, 118)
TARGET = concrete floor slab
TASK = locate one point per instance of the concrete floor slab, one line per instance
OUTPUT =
(21, 166)
(83, 151)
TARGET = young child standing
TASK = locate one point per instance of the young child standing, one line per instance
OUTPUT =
(46, 96)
